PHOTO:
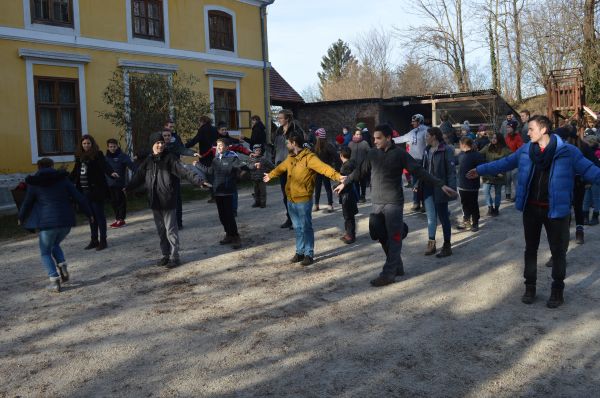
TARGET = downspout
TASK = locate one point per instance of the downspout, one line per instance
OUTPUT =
(265, 57)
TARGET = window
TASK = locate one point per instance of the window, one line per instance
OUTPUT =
(52, 12)
(226, 107)
(220, 30)
(57, 115)
(148, 19)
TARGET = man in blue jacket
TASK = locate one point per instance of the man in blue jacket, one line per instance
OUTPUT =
(47, 207)
(119, 162)
(546, 173)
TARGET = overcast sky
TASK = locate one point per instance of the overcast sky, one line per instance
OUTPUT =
(301, 31)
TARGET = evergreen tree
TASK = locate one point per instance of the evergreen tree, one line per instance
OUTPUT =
(335, 63)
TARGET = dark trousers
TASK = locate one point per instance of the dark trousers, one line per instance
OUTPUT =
(363, 182)
(179, 208)
(260, 193)
(282, 182)
(578, 195)
(225, 209)
(392, 246)
(326, 182)
(118, 202)
(557, 231)
(470, 205)
(99, 224)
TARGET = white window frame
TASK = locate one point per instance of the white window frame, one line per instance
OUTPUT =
(215, 51)
(36, 57)
(61, 30)
(166, 43)
(227, 76)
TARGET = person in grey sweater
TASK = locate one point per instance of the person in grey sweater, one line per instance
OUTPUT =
(385, 162)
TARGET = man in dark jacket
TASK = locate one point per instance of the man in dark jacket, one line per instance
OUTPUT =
(385, 162)
(47, 207)
(119, 162)
(206, 138)
(158, 172)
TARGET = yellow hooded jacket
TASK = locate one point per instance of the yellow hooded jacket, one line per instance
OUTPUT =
(301, 170)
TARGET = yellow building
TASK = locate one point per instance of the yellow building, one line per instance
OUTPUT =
(58, 55)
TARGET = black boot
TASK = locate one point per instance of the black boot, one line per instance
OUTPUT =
(594, 220)
(446, 250)
(529, 296)
(579, 236)
(556, 298)
(93, 244)
(490, 211)
(586, 218)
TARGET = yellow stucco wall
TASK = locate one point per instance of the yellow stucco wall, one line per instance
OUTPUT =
(12, 13)
(103, 20)
(13, 102)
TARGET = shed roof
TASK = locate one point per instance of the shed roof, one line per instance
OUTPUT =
(281, 91)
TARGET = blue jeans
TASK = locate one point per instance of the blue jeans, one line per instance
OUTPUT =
(487, 190)
(301, 216)
(52, 254)
(591, 198)
(435, 211)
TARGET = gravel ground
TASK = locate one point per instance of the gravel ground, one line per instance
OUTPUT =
(247, 323)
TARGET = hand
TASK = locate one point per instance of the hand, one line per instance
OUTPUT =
(257, 165)
(18, 222)
(197, 155)
(339, 188)
(266, 177)
(206, 184)
(92, 219)
(195, 162)
(472, 174)
(114, 175)
(343, 179)
(449, 191)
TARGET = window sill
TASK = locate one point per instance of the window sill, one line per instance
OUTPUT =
(148, 42)
(232, 54)
(57, 158)
(46, 28)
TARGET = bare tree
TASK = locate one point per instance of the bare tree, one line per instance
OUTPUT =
(311, 93)
(374, 51)
(591, 47)
(441, 39)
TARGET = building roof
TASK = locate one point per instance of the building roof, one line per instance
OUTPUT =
(281, 91)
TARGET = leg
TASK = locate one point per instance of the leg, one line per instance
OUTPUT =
(309, 234)
(94, 224)
(256, 193)
(498, 196)
(165, 247)
(318, 183)
(120, 205)
(363, 187)
(47, 239)
(172, 232)
(228, 215)
(487, 190)
(431, 217)
(101, 220)
(394, 225)
(464, 202)
(475, 207)
(557, 231)
(328, 191)
(262, 189)
(282, 182)
(179, 208)
(220, 202)
(295, 217)
(509, 178)
(443, 214)
(578, 194)
(533, 219)
(114, 200)
(57, 253)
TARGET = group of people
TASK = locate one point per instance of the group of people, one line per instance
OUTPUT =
(550, 165)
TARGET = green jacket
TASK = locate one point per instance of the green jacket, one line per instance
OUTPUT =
(490, 156)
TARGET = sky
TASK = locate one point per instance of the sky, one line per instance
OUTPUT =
(301, 31)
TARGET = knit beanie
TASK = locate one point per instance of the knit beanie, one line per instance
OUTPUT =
(321, 133)
(155, 137)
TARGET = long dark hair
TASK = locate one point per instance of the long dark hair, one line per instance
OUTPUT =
(320, 145)
(500, 143)
(89, 155)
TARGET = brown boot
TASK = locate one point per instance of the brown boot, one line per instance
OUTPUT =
(446, 250)
(430, 247)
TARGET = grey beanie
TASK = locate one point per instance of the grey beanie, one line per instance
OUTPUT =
(155, 137)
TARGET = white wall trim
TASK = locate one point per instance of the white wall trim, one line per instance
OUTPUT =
(257, 3)
(74, 31)
(148, 66)
(225, 73)
(209, 50)
(53, 56)
(29, 62)
(166, 43)
(29, 36)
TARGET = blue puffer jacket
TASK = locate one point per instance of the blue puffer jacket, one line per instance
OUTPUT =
(48, 202)
(568, 162)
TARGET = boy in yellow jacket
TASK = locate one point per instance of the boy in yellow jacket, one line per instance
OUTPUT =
(301, 167)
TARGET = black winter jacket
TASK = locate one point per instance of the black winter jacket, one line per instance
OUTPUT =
(119, 162)
(97, 171)
(440, 163)
(259, 135)
(206, 138)
(467, 161)
(225, 171)
(160, 173)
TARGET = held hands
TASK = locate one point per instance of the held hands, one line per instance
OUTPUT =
(114, 175)
(449, 191)
(266, 177)
(257, 165)
(339, 188)
(198, 156)
(472, 174)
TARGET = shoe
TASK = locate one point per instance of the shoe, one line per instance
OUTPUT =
(399, 271)
(381, 281)
(549, 263)
(586, 218)
(102, 245)
(121, 223)
(330, 209)
(255, 205)
(347, 239)
(362, 199)
(446, 250)
(594, 219)
(475, 227)
(316, 208)
(507, 197)
(226, 240)
(415, 207)
(430, 248)
(173, 263)
(62, 271)
(114, 224)
(556, 298)
(297, 258)
(263, 206)
(490, 211)
(529, 295)
(54, 285)
(579, 236)
(423, 210)
(465, 224)
(163, 261)
(91, 245)
(287, 224)
(236, 242)
(495, 212)
(308, 260)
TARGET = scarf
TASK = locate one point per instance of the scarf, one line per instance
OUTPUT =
(543, 159)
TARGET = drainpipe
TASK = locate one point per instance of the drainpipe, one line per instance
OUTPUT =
(265, 57)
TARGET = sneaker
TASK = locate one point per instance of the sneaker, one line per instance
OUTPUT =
(226, 240)
(362, 199)
(400, 271)
(62, 271)
(465, 224)
(93, 244)
(475, 227)
(297, 258)
(54, 285)
(316, 208)
(381, 281)
(236, 242)
(119, 224)
(330, 209)
(415, 207)
(101, 245)
(287, 224)
(114, 224)
(347, 239)
(173, 263)
(308, 260)
(163, 261)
